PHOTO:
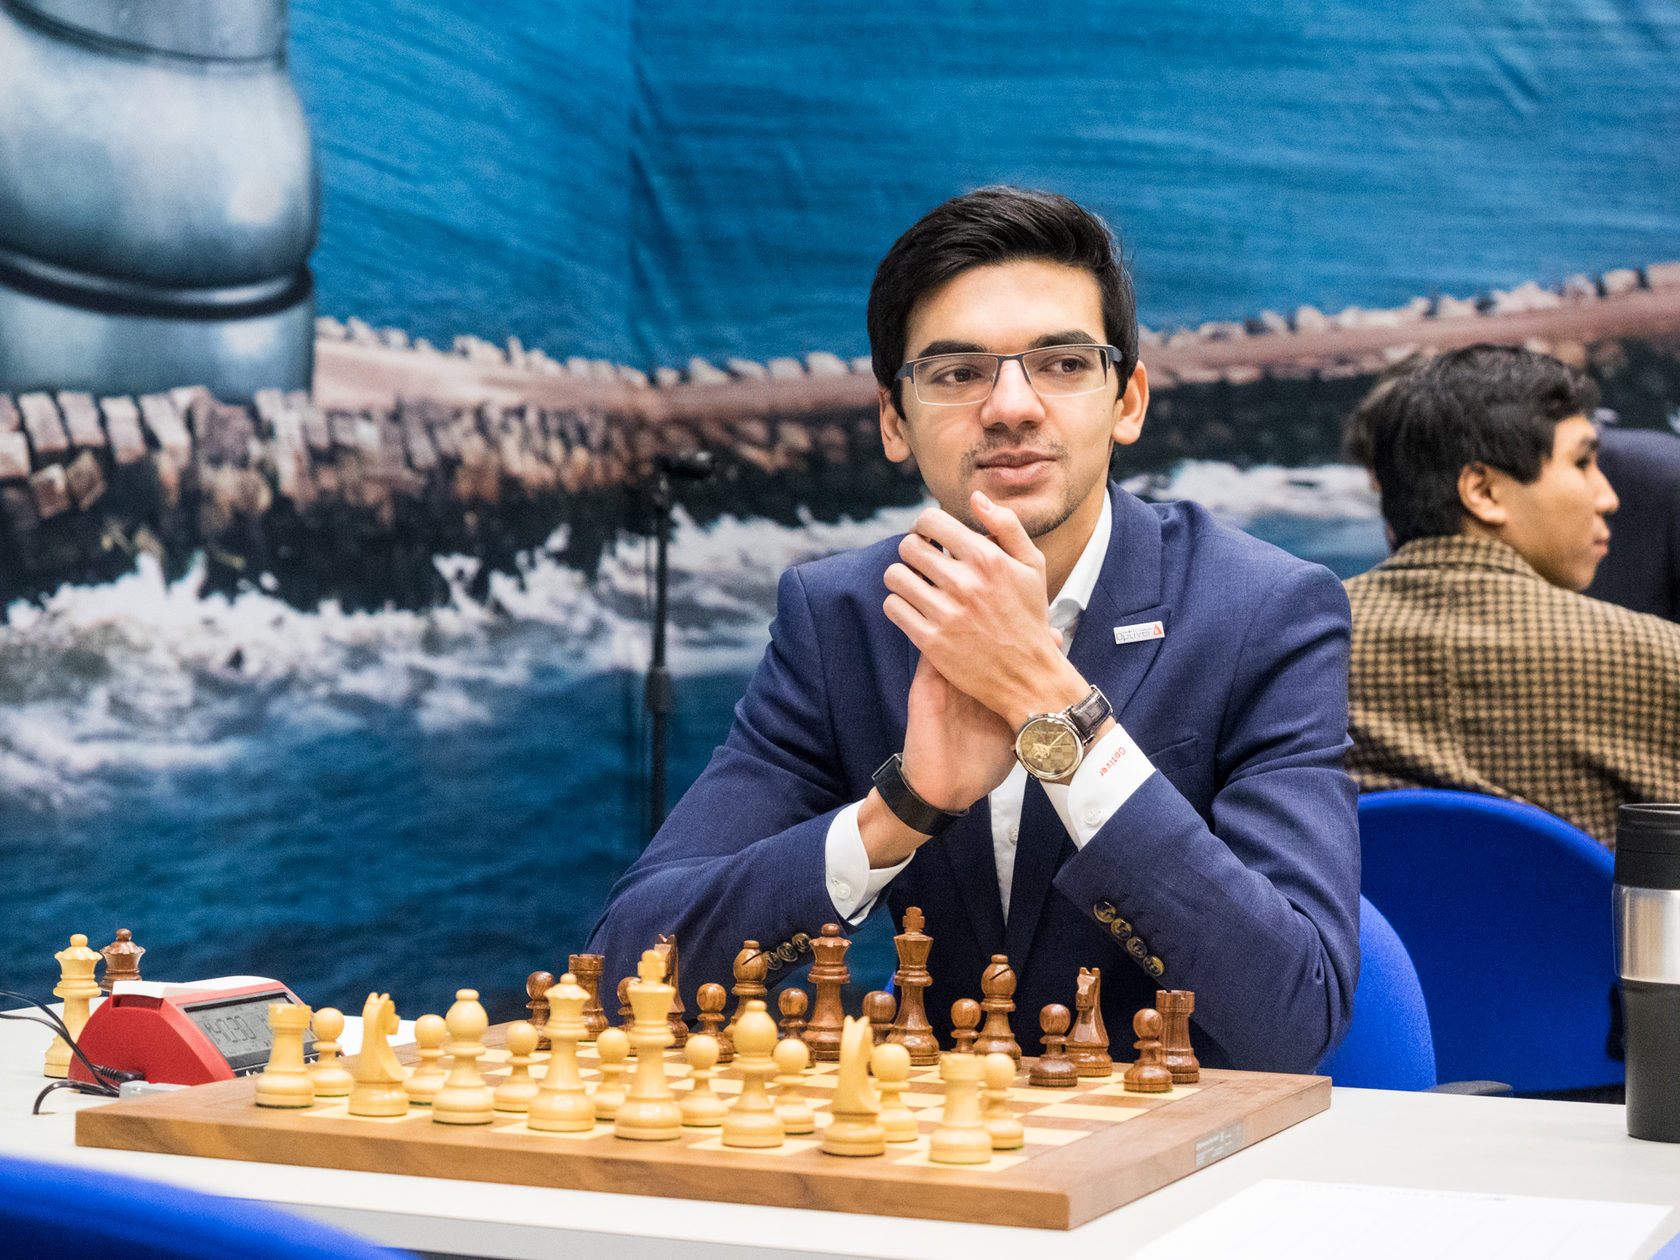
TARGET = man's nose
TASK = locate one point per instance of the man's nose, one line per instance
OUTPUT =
(1605, 500)
(1013, 400)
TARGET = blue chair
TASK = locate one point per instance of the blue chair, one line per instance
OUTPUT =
(75, 1214)
(1505, 911)
(1388, 1045)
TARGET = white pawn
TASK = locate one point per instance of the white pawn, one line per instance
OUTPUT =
(891, 1063)
(701, 1108)
(1004, 1126)
(752, 1121)
(614, 1048)
(562, 1104)
(961, 1137)
(428, 1077)
(515, 1093)
(465, 1098)
(792, 1057)
(329, 1075)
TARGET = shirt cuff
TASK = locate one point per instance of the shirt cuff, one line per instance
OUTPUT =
(852, 885)
(1114, 767)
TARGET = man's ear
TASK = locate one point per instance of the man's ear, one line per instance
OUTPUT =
(893, 441)
(1479, 491)
(1130, 406)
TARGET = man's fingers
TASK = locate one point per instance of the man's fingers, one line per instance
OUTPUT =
(1006, 529)
(933, 565)
(958, 540)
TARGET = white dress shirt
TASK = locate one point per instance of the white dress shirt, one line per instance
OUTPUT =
(1114, 767)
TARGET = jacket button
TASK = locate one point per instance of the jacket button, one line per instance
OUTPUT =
(1137, 948)
(786, 952)
(1121, 930)
(1154, 966)
(1105, 911)
(801, 942)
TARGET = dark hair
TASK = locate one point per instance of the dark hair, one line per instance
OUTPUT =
(1495, 405)
(990, 226)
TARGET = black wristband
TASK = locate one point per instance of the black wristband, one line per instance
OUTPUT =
(907, 807)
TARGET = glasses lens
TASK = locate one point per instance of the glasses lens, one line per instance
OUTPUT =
(955, 378)
(1063, 370)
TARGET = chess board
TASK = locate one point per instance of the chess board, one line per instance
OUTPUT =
(1089, 1149)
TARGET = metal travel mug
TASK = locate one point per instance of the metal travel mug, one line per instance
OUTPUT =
(1647, 892)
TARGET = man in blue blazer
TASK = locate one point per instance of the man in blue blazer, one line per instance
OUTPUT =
(1140, 772)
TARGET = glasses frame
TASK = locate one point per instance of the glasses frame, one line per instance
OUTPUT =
(1111, 359)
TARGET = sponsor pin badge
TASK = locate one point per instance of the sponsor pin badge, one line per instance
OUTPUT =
(1138, 633)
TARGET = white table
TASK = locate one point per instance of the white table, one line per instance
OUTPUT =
(1422, 1141)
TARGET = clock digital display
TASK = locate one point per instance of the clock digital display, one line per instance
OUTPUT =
(238, 1028)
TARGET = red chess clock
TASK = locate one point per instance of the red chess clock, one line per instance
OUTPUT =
(184, 1034)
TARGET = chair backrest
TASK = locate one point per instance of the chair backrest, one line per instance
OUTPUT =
(1388, 1045)
(1506, 913)
(77, 1214)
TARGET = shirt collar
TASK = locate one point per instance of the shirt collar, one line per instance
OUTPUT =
(1075, 594)
(1460, 551)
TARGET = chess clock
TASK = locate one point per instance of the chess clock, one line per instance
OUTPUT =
(184, 1034)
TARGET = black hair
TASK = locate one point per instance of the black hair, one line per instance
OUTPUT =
(987, 227)
(1484, 404)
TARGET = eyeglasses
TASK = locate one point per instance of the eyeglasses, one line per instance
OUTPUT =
(951, 380)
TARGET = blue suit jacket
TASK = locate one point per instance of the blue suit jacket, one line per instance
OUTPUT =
(1232, 871)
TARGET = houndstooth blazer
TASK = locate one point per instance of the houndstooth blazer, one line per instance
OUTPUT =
(1471, 671)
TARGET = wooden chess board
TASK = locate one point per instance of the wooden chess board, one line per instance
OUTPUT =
(1089, 1149)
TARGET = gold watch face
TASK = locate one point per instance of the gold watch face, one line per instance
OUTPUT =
(1049, 747)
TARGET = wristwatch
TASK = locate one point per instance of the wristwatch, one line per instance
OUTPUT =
(1051, 745)
(910, 809)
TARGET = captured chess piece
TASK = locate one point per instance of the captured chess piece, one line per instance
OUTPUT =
(649, 1112)
(910, 1026)
(379, 1077)
(1176, 1007)
(792, 1002)
(465, 1098)
(829, 974)
(1054, 1070)
(78, 988)
(122, 960)
(998, 1074)
(997, 987)
(518, 1088)
(965, 1025)
(561, 1104)
(667, 946)
(854, 1126)
(752, 1122)
(1150, 1074)
(750, 968)
(429, 1074)
(891, 1064)
(614, 1048)
(285, 1081)
(961, 1136)
(537, 985)
(701, 1107)
(879, 1008)
(1087, 1044)
(329, 1076)
(588, 969)
(792, 1110)
(711, 999)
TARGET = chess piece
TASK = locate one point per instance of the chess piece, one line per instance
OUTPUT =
(614, 1048)
(562, 1105)
(1054, 1070)
(650, 1112)
(1176, 1007)
(701, 1107)
(879, 1008)
(711, 999)
(122, 960)
(997, 986)
(965, 1025)
(329, 1076)
(854, 1126)
(792, 1058)
(379, 1077)
(752, 1122)
(464, 1098)
(285, 1081)
(792, 1003)
(537, 985)
(587, 969)
(750, 968)
(626, 1013)
(910, 1026)
(430, 1073)
(891, 1064)
(666, 946)
(829, 974)
(78, 988)
(1004, 1126)
(1150, 1074)
(518, 1088)
(1087, 1044)
(961, 1136)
